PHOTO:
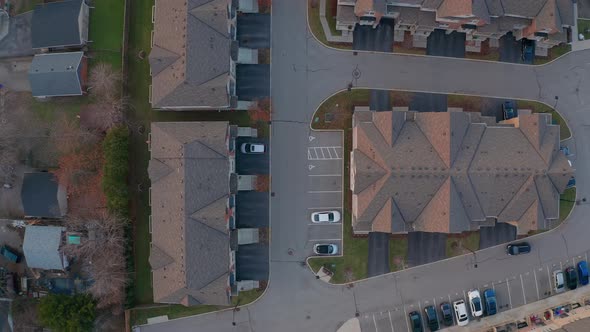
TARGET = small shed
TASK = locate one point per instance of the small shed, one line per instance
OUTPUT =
(42, 247)
(42, 196)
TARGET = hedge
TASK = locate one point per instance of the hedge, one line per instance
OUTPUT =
(116, 170)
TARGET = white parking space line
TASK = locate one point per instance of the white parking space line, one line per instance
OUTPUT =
(324, 157)
(509, 296)
(406, 318)
(522, 285)
(586, 256)
(561, 266)
(336, 153)
(316, 240)
(325, 208)
(324, 191)
(324, 151)
(390, 321)
(550, 281)
(375, 322)
(326, 224)
(536, 285)
(327, 175)
(329, 153)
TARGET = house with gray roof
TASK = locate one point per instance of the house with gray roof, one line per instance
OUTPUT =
(548, 22)
(450, 172)
(59, 25)
(192, 199)
(42, 247)
(42, 196)
(58, 74)
(194, 56)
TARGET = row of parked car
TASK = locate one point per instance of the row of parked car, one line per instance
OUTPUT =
(571, 277)
(322, 217)
(478, 308)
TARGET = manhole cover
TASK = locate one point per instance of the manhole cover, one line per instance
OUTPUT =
(290, 252)
(328, 117)
(356, 73)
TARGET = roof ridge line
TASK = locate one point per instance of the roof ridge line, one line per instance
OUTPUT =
(485, 127)
(432, 145)
(516, 196)
(209, 283)
(165, 49)
(196, 18)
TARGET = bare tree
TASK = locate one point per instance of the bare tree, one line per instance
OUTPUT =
(102, 254)
(25, 314)
(104, 81)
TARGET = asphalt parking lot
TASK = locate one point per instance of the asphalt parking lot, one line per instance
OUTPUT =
(251, 164)
(514, 291)
(324, 193)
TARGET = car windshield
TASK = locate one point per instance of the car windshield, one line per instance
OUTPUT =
(477, 304)
(330, 216)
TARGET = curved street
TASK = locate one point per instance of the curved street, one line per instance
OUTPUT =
(304, 73)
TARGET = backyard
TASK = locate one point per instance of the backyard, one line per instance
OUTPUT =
(106, 32)
(583, 28)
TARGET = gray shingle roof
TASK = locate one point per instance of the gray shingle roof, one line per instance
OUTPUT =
(190, 59)
(452, 171)
(56, 74)
(189, 171)
(55, 24)
(41, 247)
(39, 195)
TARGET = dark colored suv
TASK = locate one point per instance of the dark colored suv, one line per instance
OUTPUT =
(431, 318)
(571, 278)
(518, 248)
(583, 272)
(447, 313)
(489, 297)
(416, 321)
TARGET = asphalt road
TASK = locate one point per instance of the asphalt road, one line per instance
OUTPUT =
(303, 74)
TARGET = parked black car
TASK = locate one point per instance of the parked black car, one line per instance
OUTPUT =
(518, 248)
(431, 318)
(571, 278)
(416, 321)
(447, 313)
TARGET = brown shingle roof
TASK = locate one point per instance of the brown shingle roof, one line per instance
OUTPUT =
(452, 171)
(190, 58)
(189, 171)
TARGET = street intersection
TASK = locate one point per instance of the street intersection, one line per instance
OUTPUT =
(304, 73)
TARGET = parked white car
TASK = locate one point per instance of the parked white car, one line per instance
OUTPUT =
(252, 148)
(475, 303)
(326, 249)
(558, 281)
(325, 216)
(461, 313)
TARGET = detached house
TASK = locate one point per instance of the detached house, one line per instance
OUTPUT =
(454, 171)
(60, 25)
(548, 22)
(192, 197)
(58, 74)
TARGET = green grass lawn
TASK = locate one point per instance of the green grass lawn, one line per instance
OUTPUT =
(330, 4)
(567, 200)
(564, 130)
(461, 245)
(554, 53)
(106, 31)
(583, 28)
(316, 26)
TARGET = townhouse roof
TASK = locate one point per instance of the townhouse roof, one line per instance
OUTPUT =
(190, 250)
(56, 74)
(57, 24)
(190, 59)
(451, 172)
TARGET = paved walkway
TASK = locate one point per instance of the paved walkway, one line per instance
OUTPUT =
(327, 32)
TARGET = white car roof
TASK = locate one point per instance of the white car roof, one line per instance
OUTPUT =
(257, 147)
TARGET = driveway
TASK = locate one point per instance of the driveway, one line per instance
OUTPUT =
(252, 262)
(252, 81)
(18, 41)
(252, 164)
(442, 44)
(252, 209)
(254, 30)
(378, 262)
(14, 73)
(380, 100)
(498, 234)
(426, 247)
(380, 38)
(428, 102)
